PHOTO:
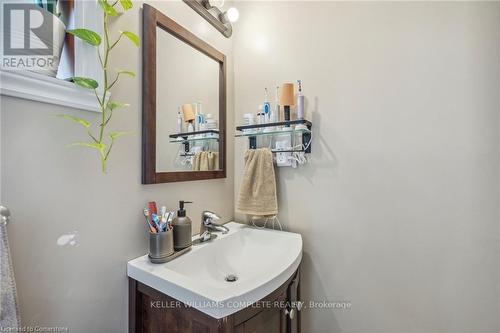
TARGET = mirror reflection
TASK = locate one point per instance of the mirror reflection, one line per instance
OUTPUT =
(187, 107)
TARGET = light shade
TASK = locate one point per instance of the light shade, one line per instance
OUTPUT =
(187, 110)
(216, 3)
(232, 14)
(287, 94)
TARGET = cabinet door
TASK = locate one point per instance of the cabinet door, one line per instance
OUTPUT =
(267, 321)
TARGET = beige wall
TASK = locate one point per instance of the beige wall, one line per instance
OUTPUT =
(52, 190)
(398, 207)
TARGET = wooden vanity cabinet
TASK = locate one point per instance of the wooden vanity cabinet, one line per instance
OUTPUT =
(150, 311)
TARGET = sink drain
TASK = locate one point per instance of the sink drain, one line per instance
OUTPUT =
(231, 278)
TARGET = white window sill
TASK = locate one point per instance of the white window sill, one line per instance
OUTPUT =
(46, 89)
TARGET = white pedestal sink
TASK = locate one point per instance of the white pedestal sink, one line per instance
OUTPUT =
(261, 259)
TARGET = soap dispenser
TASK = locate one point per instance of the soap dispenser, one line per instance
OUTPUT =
(182, 228)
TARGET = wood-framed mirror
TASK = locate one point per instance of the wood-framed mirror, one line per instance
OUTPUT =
(183, 104)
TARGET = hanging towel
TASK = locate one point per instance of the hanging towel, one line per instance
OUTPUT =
(213, 160)
(258, 188)
(204, 161)
(9, 308)
(196, 161)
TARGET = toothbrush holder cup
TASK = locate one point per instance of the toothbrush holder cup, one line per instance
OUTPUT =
(161, 245)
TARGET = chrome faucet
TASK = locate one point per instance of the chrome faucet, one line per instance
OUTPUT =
(208, 226)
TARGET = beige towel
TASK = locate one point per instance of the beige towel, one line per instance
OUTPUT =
(213, 160)
(196, 161)
(206, 160)
(258, 188)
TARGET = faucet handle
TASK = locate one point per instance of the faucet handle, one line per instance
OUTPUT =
(208, 217)
(205, 236)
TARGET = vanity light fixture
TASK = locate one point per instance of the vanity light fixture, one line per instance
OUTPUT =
(214, 3)
(230, 16)
(211, 11)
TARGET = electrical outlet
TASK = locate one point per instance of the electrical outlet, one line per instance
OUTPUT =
(283, 142)
(283, 159)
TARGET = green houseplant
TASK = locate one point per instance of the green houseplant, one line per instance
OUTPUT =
(100, 138)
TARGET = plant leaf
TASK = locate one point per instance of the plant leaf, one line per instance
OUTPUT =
(126, 4)
(88, 36)
(83, 122)
(85, 82)
(101, 147)
(133, 37)
(117, 134)
(129, 73)
(115, 105)
(108, 9)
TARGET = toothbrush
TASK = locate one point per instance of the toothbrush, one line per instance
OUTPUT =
(156, 220)
(170, 218)
(152, 207)
(267, 107)
(300, 101)
(166, 225)
(163, 211)
(146, 215)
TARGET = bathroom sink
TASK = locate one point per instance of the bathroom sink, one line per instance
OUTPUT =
(258, 261)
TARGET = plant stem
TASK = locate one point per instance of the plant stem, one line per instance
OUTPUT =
(102, 102)
(105, 70)
(114, 44)
(92, 136)
(109, 149)
(103, 165)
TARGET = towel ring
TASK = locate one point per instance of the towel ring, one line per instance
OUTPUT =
(5, 215)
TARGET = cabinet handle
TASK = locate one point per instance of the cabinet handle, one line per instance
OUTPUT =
(290, 313)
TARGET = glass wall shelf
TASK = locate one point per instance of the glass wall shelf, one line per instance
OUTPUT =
(272, 131)
(299, 126)
(206, 135)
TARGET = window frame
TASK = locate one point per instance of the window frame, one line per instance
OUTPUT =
(43, 88)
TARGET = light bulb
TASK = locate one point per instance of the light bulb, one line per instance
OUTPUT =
(216, 3)
(233, 14)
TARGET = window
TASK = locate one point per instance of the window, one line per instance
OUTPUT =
(81, 57)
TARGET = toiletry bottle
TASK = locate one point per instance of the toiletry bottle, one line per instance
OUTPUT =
(200, 118)
(260, 115)
(249, 119)
(266, 108)
(182, 228)
(276, 113)
(211, 123)
(179, 121)
(300, 102)
(190, 127)
(196, 117)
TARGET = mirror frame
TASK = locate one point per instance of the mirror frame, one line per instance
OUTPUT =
(152, 18)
